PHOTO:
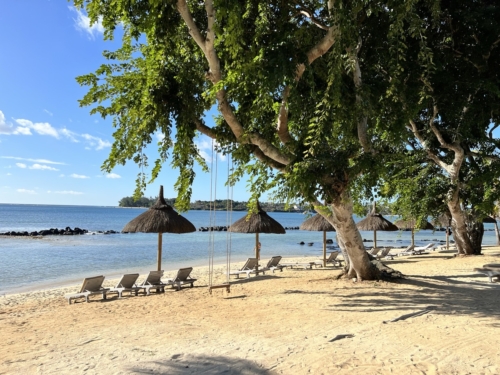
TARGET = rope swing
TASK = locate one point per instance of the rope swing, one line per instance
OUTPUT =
(211, 232)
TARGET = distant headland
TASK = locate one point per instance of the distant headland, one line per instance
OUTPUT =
(220, 204)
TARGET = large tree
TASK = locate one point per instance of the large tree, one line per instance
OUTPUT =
(447, 81)
(300, 88)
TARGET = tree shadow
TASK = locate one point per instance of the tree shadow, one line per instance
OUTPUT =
(446, 293)
(180, 364)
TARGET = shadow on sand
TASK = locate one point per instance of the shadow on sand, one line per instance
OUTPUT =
(179, 364)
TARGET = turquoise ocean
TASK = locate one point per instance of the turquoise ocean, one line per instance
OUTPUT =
(28, 264)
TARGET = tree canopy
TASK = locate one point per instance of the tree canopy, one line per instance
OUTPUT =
(316, 99)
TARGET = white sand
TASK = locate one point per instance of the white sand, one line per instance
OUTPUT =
(280, 323)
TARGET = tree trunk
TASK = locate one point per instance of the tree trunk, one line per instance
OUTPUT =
(497, 234)
(459, 226)
(476, 232)
(360, 266)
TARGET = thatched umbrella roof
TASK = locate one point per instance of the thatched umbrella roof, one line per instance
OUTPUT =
(319, 224)
(160, 218)
(375, 221)
(259, 222)
(411, 224)
(444, 220)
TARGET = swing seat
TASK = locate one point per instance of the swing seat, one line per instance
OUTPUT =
(220, 286)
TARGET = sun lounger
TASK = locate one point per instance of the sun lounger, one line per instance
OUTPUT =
(374, 250)
(490, 272)
(247, 269)
(305, 265)
(407, 251)
(183, 277)
(90, 286)
(384, 253)
(126, 284)
(274, 264)
(332, 259)
(422, 249)
(153, 281)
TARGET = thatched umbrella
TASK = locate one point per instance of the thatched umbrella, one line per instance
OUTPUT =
(257, 223)
(160, 218)
(411, 225)
(318, 223)
(375, 221)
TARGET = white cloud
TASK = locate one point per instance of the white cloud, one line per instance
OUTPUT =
(82, 23)
(9, 174)
(21, 165)
(70, 192)
(96, 142)
(159, 136)
(74, 175)
(113, 175)
(8, 129)
(48, 112)
(43, 167)
(43, 161)
(205, 150)
(26, 191)
(61, 175)
(69, 134)
(42, 128)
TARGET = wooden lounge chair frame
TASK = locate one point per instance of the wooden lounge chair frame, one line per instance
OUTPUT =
(183, 277)
(304, 265)
(126, 284)
(274, 264)
(384, 253)
(247, 269)
(90, 286)
(490, 272)
(332, 258)
(153, 281)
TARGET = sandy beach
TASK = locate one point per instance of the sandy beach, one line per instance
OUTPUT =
(290, 322)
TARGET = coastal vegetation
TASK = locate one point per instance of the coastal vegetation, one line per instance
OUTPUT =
(324, 103)
(218, 204)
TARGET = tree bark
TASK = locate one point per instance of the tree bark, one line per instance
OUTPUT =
(497, 234)
(476, 232)
(360, 266)
(459, 226)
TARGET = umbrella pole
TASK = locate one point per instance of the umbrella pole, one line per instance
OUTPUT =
(324, 248)
(374, 238)
(412, 237)
(159, 250)
(257, 252)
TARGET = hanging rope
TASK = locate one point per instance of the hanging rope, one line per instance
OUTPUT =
(229, 216)
(211, 250)
(212, 220)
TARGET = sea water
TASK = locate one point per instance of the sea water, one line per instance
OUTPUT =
(42, 262)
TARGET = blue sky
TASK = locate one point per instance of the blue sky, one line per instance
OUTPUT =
(51, 150)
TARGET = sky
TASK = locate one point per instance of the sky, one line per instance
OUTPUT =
(51, 150)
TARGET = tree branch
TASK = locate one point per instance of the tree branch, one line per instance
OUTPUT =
(215, 76)
(425, 146)
(315, 52)
(364, 140)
